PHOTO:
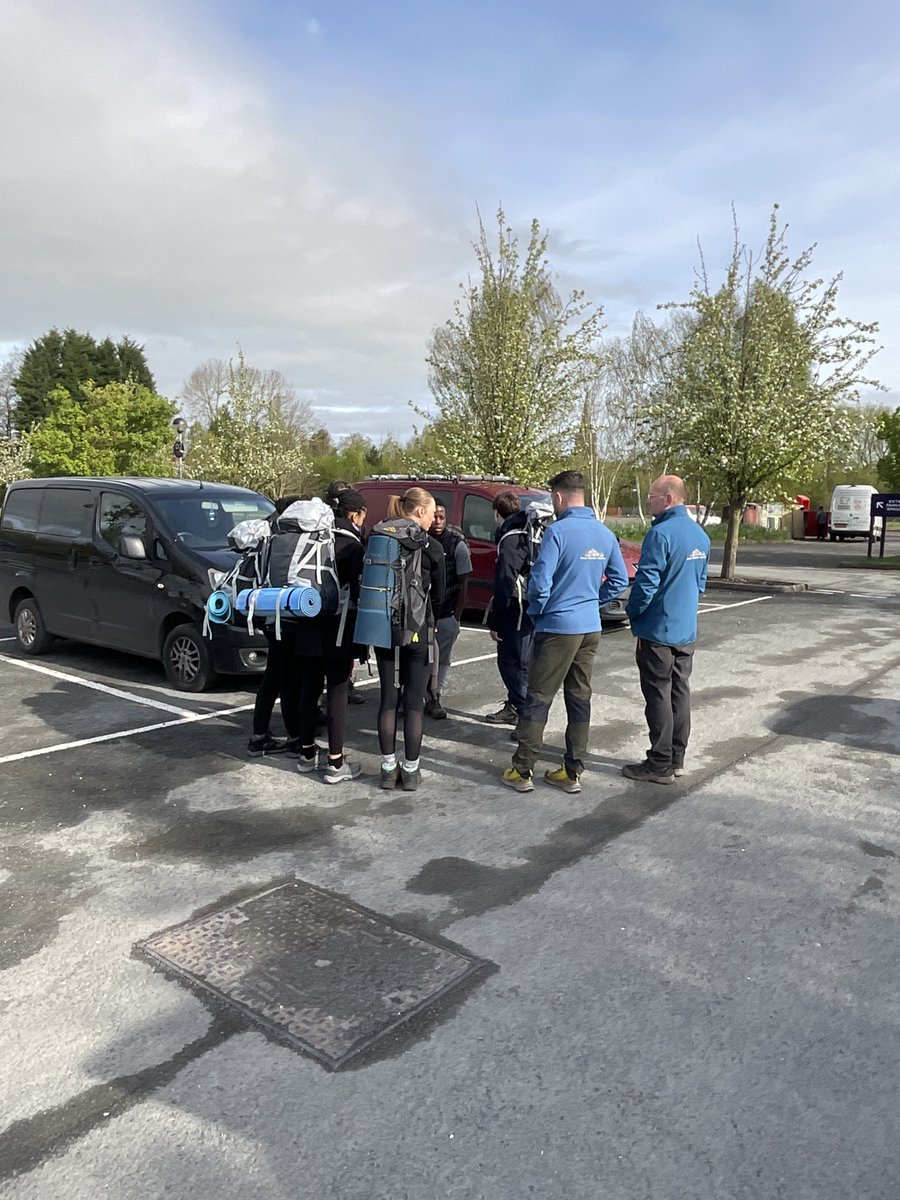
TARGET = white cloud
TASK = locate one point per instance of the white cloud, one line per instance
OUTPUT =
(148, 187)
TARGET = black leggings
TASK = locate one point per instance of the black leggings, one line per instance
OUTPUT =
(334, 673)
(415, 670)
(280, 679)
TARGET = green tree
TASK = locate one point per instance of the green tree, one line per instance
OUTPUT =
(15, 454)
(505, 367)
(119, 429)
(761, 374)
(889, 463)
(65, 361)
(257, 434)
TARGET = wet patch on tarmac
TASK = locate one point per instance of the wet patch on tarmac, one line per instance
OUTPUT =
(26, 1144)
(875, 851)
(42, 887)
(859, 722)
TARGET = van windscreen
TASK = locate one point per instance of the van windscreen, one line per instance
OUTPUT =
(204, 520)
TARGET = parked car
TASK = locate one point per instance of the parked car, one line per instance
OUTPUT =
(851, 511)
(126, 564)
(468, 500)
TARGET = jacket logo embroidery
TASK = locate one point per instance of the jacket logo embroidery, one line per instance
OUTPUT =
(696, 554)
(593, 554)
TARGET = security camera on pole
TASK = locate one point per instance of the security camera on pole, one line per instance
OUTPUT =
(179, 449)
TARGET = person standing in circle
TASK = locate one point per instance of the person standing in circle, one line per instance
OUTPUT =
(409, 665)
(325, 649)
(458, 568)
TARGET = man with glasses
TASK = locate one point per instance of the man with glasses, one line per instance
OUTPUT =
(662, 608)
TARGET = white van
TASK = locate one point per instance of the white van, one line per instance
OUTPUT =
(851, 511)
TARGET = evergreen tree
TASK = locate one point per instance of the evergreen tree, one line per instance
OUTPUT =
(68, 360)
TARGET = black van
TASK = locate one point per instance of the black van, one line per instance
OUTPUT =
(126, 564)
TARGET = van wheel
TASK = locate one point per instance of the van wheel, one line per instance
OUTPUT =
(186, 660)
(31, 632)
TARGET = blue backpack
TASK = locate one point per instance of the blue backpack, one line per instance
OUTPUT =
(393, 604)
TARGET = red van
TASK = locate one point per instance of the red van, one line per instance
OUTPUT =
(468, 500)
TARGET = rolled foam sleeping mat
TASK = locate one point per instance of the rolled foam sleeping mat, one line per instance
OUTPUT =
(219, 607)
(305, 602)
(298, 601)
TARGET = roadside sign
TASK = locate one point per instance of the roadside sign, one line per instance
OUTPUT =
(885, 504)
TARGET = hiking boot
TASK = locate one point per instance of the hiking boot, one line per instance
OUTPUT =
(390, 777)
(561, 779)
(307, 765)
(347, 770)
(645, 772)
(410, 779)
(354, 696)
(264, 743)
(678, 770)
(519, 782)
(434, 708)
(507, 715)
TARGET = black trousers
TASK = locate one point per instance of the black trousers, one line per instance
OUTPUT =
(665, 673)
(281, 679)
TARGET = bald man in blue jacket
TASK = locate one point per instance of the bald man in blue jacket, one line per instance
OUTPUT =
(662, 608)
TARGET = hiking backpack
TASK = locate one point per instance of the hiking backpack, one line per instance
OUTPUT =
(251, 540)
(538, 516)
(300, 577)
(393, 604)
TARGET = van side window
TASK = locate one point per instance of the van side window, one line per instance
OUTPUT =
(120, 517)
(66, 512)
(21, 509)
(478, 519)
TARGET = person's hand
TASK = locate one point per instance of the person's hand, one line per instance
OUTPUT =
(495, 636)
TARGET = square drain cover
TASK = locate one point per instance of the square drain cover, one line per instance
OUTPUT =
(325, 975)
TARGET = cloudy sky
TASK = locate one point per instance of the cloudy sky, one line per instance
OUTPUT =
(302, 180)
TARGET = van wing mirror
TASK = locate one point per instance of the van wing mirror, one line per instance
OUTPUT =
(132, 547)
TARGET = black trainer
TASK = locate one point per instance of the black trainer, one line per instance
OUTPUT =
(434, 708)
(264, 743)
(354, 696)
(507, 715)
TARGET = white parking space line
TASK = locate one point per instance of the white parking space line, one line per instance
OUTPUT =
(12, 639)
(734, 604)
(192, 718)
(97, 687)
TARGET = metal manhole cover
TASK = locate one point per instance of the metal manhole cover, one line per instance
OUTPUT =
(327, 976)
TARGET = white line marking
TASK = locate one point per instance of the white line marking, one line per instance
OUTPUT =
(740, 603)
(12, 639)
(97, 687)
(825, 592)
(123, 733)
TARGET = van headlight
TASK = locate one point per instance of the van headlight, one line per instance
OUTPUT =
(216, 578)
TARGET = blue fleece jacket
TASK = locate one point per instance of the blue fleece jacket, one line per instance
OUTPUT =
(579, 567)
(671, 576)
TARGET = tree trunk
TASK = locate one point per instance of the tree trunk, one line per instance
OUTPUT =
(729, 558)
(637, 491)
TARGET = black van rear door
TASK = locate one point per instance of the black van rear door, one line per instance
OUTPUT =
(62, 548)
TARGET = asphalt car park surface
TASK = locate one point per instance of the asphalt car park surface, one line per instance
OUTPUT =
(695, 986)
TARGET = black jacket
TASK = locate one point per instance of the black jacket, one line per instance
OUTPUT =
(434, 575)
(512, 557)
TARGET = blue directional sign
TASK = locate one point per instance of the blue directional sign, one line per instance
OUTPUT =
(886, 504)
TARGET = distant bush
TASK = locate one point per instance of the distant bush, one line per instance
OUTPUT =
(634, 532)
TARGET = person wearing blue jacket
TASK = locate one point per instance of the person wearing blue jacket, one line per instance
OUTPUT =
(662, 607)
(578, 569)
